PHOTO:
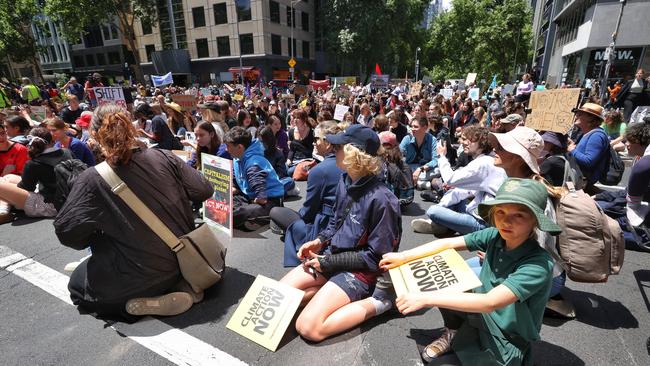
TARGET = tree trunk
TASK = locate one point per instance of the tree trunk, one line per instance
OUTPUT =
(128, 31)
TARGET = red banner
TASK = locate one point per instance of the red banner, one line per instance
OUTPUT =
(320, 84)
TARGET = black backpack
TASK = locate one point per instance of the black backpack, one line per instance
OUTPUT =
(614, 168)
(66, 172)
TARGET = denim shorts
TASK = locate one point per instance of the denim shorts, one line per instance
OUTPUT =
(351, 285)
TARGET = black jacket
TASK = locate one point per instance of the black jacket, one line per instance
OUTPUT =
(625, 92)
(39, 172)
(127, 257)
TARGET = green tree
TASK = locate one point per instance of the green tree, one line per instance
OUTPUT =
(361, 33)
(77, 16)
(483, 36)
(16, 39)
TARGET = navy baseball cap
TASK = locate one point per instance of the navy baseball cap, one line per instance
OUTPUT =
(359, 136)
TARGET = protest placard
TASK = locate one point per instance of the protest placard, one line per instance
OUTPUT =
(551, 109)
(340, 111)
(265, 312)
(217, 210)
(300, 90)
(474, 93)
(507, 89)
(379, 81)
(38, 111)
(447, 93)
(340, 80)
(444, 271)
(415, 89)
(187, 102)
(471, 78)
(107, 94)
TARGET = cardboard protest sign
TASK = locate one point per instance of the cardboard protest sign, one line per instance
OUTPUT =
(415, 89)
(109, 95)
(474, 93)
(38, 111)
(265, 312)
(217, 210)
(444, 271)
(187, 102)
(447, 93)
(471, 78)
(551, 109)
(340, 111)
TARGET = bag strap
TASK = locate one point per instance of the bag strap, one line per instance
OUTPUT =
(120, 188)
(567, 170)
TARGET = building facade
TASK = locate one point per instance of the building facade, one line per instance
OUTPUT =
(571, 45)
(216, 32)
(56, 54)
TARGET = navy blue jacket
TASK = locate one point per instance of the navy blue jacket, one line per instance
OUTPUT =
(317, 210)
(371, 227)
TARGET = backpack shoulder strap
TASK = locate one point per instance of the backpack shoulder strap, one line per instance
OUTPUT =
(120, 188)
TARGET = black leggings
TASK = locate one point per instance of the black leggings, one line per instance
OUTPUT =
(283, 217)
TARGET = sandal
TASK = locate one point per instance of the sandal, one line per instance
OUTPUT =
(439, 346)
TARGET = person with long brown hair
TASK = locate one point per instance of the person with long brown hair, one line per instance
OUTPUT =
(59, 131)
(131, 272)
(207, 141)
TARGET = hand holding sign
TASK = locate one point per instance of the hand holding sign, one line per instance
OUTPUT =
(412, 301)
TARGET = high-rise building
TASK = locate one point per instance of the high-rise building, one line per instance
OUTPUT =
(55, 56)
(432, 10)
(571, 38)
(266, 33)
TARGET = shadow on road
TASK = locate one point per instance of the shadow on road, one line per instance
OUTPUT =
(597, 311)
(549, 354)
(642, 277)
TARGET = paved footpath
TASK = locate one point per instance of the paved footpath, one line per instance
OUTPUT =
(39, 326)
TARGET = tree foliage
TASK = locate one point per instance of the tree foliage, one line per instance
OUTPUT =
(361, 33)
(483, 36)
(16, 39)
(76, 16)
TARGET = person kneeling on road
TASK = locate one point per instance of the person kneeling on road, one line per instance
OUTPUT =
(340, 272)
(497, 322)
(259, 188)
(131, 271)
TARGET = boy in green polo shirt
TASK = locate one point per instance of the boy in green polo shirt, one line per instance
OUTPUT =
(495, 324)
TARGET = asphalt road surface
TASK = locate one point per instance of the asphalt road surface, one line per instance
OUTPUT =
(39, 326)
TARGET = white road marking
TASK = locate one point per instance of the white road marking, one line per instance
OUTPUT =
(176, 346)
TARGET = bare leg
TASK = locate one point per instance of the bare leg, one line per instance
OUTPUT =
(302, 280)
(15, 196)
(330, 312)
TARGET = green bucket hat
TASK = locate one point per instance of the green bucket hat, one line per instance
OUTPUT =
(527, 192)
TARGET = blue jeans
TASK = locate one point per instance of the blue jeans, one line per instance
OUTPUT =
(455, 218)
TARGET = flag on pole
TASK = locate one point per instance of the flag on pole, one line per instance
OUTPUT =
(162, 79)
(377, 69)
(493, 85)
(247, 92)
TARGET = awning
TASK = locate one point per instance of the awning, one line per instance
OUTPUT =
(246, 68)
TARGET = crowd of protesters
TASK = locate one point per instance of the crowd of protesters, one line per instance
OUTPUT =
(489, 178)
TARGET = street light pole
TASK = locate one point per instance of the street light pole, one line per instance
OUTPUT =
(293, 25)
(241, 67)
(610, 55)
(417, 63)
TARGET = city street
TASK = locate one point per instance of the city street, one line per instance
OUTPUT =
(41, 327)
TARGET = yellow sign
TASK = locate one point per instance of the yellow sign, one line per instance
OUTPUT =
(551, 109)
(445, 271)
(292, 62)
(264, 314)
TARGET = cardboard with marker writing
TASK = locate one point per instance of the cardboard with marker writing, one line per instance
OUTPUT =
(265, 312)
(551, 109)
(442, 272)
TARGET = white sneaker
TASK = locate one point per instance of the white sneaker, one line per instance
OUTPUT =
(423, 226)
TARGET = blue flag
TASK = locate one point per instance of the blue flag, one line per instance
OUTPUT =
(493, 85)
(162, 80)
